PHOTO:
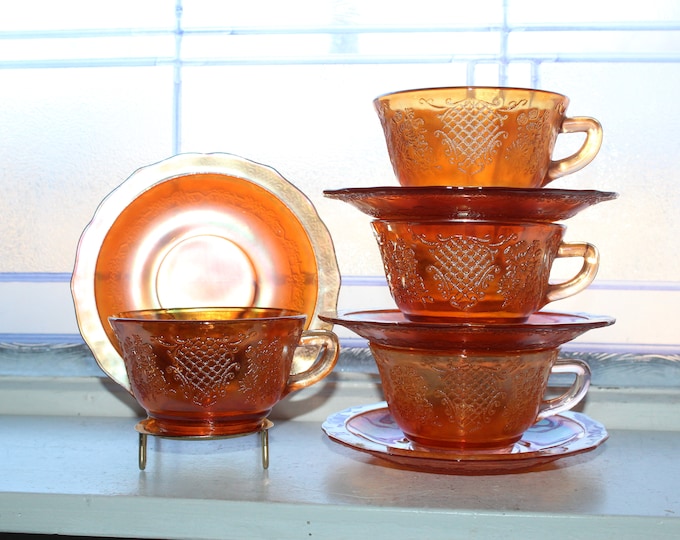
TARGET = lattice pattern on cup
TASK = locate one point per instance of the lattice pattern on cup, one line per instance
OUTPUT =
(205, 366)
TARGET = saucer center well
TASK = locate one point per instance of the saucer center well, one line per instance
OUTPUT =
(206, 270)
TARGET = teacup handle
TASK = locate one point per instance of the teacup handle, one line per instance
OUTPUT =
(583, 278)
(574, 394)
(584, 155)
(329, 349)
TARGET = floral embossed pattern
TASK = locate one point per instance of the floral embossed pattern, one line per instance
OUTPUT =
(533, 127)
(204, 367)
(200, 230)
(465, 269)
(459, 398)
(262, 380)
(480, 136)
(401, 264)
(407, 135)
(217, 371)
(410, 392)
(471, 132)
(471, 394)
(148, 380)
(523, 281)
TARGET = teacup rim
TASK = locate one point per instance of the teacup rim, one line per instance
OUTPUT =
(405, 91)
(472, 221)
(147, 315)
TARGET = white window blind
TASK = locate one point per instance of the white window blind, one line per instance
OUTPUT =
(92, 91)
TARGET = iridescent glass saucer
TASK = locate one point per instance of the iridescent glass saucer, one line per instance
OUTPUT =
(371, 429)
(201, 230)
(391, 328)
(488, 203)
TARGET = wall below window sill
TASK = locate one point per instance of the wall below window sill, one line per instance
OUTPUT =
(68, 465)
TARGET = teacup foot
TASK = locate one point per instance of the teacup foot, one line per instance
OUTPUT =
(463, 450)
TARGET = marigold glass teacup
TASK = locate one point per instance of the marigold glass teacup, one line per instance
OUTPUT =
(481, 136)
(478, 270)
(217, 371)
(473, 399)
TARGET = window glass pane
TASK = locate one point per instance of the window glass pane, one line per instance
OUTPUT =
(253, 47)
(99, 49)
(636, 105)
(307, 121)
(69, 136)
(66, 15)
(588, 12)
(299, 13)
(92, 91)
(594, 44)
(303, 48)
(433, 13)
(271, 13)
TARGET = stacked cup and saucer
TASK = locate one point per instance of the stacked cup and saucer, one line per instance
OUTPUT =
(468, 239)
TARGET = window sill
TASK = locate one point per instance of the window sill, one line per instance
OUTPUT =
(69, 466)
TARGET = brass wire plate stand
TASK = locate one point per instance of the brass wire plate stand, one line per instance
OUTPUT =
(144, 432)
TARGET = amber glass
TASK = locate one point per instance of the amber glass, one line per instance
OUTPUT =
(199, 230)
(204, 240)
(481, 136)
(372, 429)
(542, 330)
(217, 371)
(438, 203)
(473, 400)
(478, 270)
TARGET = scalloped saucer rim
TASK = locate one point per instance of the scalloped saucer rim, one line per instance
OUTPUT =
(371, 429)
